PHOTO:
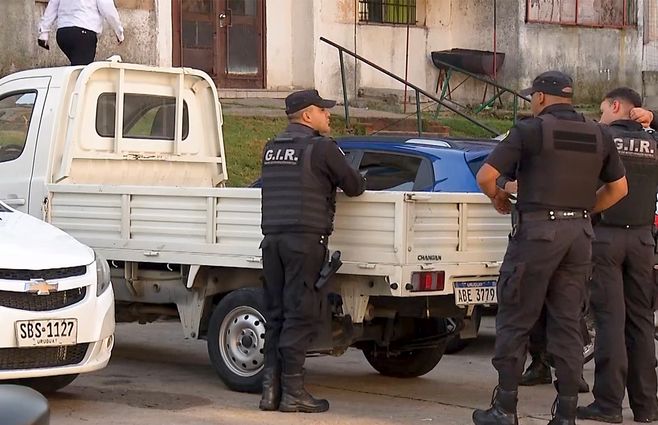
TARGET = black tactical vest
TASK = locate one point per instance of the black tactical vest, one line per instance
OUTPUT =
(637, 150)
(293, 199)
(565, 173)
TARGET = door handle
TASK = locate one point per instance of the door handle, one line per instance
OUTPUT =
(228, 14)
(14, 202)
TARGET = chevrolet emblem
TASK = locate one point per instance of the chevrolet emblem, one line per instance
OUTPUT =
(40, 287)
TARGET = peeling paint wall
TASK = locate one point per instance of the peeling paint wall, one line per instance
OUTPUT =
(142, 44)
(598, 59)
(385, 45)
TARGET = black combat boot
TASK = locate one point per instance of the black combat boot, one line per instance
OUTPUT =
(564, 410)
(271, 389)
(502, 410)
(295, 398)
(538, 373)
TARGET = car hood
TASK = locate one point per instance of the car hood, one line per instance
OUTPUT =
(31, 244)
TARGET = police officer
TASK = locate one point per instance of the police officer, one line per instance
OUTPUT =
(622, 292)
(301, 170)
(539, 370)
(559, 158)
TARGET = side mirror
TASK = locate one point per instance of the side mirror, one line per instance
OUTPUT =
(21, 405)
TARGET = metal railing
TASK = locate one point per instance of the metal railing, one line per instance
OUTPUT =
(499, 89)
(342, 51)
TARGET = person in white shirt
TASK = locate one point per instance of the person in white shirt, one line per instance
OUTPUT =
(78, 24)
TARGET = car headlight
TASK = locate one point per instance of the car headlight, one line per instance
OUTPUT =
(102, 275)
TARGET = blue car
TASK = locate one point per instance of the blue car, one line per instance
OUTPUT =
(417, 164)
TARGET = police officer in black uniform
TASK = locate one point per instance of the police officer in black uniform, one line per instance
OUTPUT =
(559, 158)
(622, 292)
(301, 170)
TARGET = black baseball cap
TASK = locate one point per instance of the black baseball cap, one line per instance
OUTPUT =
(303, 99)
(555, 83)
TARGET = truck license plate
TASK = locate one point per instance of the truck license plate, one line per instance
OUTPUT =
(46, 333)
(468, 293)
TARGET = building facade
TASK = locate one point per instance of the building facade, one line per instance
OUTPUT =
(275, 45)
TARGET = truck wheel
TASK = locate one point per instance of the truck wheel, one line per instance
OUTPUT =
(456, 343)
(48, 384)
(236, 338)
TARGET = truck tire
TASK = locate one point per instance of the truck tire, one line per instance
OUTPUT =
(48, 384)
(236, 338)
(456, 343)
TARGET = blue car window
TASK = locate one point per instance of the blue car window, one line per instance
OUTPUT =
(385, 171)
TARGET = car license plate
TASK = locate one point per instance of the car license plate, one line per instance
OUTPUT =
(46, 333)
(468, 293)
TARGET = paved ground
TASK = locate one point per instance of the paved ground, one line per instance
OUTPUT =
(155, 377)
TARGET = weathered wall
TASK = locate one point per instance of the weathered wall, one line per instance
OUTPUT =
(385, 45)
(598, 59)
(471, 26)
(289, 44)
(18, 35)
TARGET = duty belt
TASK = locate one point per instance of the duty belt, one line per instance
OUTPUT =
(551, 215)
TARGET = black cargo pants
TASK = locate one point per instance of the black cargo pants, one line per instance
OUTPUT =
(622, 298)
(547, 263)
(291, 265)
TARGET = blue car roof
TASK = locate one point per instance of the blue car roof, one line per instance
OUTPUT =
(435, 147)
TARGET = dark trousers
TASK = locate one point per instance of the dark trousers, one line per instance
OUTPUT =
(537, 337)
(78, 44)
(291, 264)
(622, 297)
(547, 264)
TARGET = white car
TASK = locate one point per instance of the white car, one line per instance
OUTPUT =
(56, 304)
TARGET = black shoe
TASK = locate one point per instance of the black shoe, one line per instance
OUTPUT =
(295, 398)
(271, 389)
(538, 373)
(564, 411)
(595, 413)
(583, 386)
(502, 410)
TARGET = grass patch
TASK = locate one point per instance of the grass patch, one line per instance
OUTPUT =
(244, 139)
(461, 127)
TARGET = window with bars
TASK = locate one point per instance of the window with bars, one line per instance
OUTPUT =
(587, 13)
(388, 11)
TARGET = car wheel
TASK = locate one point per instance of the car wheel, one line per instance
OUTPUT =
(236, 339)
